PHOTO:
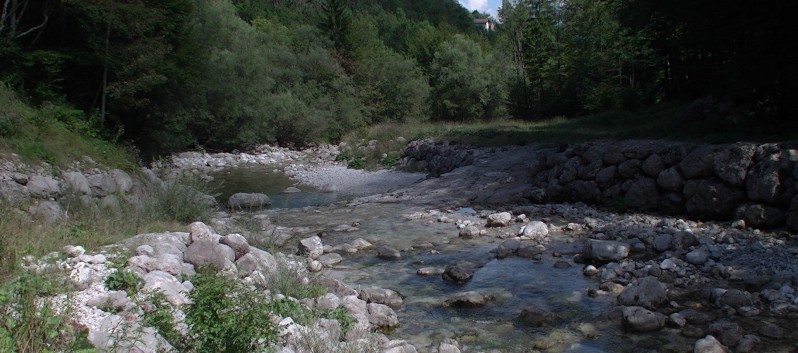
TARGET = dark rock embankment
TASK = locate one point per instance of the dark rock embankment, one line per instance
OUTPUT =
(754, 183)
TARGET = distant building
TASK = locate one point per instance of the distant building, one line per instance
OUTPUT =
(485, 23)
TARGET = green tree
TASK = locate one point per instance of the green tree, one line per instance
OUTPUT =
(336, 21)
(464, 84)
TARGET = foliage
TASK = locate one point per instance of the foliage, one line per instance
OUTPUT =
(160, 317)
(346, 321)
(465, 87)
(172, 75)
(226, 316)
(26, 326)
(181, 199)
(123, 280)
(288, 280)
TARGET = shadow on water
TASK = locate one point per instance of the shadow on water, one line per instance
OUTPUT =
(266, 180)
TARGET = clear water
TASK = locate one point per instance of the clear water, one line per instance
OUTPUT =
(263, 179)
(516, 283)
(584, 324)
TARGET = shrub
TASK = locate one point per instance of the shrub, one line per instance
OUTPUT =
(177, 199)
(226, 316)
(160, 317)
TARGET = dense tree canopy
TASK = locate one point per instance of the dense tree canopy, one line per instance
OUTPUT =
(169, 75)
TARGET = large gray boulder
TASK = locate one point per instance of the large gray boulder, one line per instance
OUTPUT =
(764, 182)
(457, 274)
(207, 253)
(653, 165)
(175, 292)
(711, 197)
(732, 163)
(648, 292)
(257, 260)
(643, 194)
(381, 296)
(727, 332)
(77, 182)
(501, 219)
(535, 230)
(238, 243)
(248, 201)
(698, 164)
(123, 181)
(761, 216)
(117, 334)
(102, 184)
(47, 211)
(639, 319)
(469, 299)
(382, 316)
(311, 247)
(606, 250)
(199, 231)
(671, 179)
(13, 193)
(537, 317)
(43, 186)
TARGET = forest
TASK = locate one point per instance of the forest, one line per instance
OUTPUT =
(171, 75)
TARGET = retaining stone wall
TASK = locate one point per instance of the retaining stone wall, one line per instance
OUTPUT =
(752, 182)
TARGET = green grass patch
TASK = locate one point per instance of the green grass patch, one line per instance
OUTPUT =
(661, 122)
(55, 134)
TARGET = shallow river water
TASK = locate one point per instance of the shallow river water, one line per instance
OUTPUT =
(583, 323)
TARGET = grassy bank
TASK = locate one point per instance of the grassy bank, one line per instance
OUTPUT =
(56, 134)
(661, 122)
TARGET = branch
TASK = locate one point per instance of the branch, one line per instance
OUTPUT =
(4, 15)
(46, 16)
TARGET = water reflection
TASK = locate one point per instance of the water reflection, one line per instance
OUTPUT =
(267, 180)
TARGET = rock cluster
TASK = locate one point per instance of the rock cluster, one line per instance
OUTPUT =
(166, 263)
(46, 193)
(755, 183)
(436, 157)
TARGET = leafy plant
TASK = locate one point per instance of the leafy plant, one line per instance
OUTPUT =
(346, 321)
(227, 316)
(123, 280)
(357, 163)
(160, 317)
(293, 309)
(25, 325)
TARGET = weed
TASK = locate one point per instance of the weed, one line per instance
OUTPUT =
(158, 315)
(293, 309)
(123, 280)
(357, 164)
(346, 321)
(390, 160)
(343, 156)
(180, 199)
(25, 324)
(290, 281)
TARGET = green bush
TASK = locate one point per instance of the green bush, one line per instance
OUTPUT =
(228, 317)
